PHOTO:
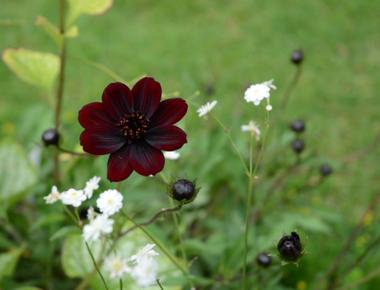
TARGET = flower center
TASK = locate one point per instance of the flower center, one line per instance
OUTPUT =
(134, 125)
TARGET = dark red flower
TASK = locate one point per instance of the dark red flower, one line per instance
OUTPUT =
(133, 126)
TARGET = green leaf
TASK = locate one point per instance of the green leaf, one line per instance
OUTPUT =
(17, 173)
(8, 262)
(90, 7)
(36, 68)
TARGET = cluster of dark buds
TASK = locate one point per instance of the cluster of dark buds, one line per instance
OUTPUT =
(290, 247)
(183, 191)
(51, 137)
(297, 56)
(298, 127)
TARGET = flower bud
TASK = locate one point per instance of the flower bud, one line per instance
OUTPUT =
(263, 260)
(298, 146)
(297, 56)
(325, 169)
(297, 126)
(183, 190)
(290, 247)
(50, 137)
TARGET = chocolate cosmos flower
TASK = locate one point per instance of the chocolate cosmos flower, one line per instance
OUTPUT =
(133, 126)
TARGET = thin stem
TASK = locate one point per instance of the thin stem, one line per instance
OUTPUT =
(151, 220)
(159, 284)
(179, 236)
(61, 81)
(96, 266)
(286, 96)
(331, 274)
(121, 284)
(234, 147)
(252, 174)
(162, 248)
(72, 152)
(375, 273)
(247, 213)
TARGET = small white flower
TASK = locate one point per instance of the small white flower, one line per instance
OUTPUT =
(258, 92)
(73, 197)
(269, 107)
(53, 196)
(171, 155)
(145, 273)
(206, 108)
(98, 227)
(146, 252)
(145, 269)
(116, 266)
(252, 128)
(110, 202)
(91, 185)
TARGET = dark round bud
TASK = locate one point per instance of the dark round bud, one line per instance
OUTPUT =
(50, 137)
(263, 260)
(297, 126)
(297, 56)
(290, 247)
(325, 170)
(183, 190)
(298, 146)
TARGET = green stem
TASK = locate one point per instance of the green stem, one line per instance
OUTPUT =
(159, 284)
(251, 176)
(234, 147)
(96, 266)
(162, 248)
(61, 82)
(121, 284)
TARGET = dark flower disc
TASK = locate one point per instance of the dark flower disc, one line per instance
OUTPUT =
(133, 126)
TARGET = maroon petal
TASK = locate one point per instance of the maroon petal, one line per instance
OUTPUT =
(146, 96)
(169, 112)
(117, 100)
(99, 142)
(166, 137)
(119, 166)
(93, 116)
(145, 159)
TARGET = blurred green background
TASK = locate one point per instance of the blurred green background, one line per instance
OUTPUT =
(220, 46)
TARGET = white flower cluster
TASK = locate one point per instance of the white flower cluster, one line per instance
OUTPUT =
(206, 108)
(258, 92)
(252, 128)
(142, 267)
(109, 202)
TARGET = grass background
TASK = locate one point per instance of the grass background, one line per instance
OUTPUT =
(226, 45)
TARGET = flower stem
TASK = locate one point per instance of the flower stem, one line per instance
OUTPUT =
(159, 284)
(233, 145)
(61, 81)
(286, 96)
(121, 284)
(96, 266)
(251, 176)
(162, 248)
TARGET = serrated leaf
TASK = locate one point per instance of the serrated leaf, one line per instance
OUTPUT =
(90, 7)
(17, 173)
(8, 262)
(36, 68)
